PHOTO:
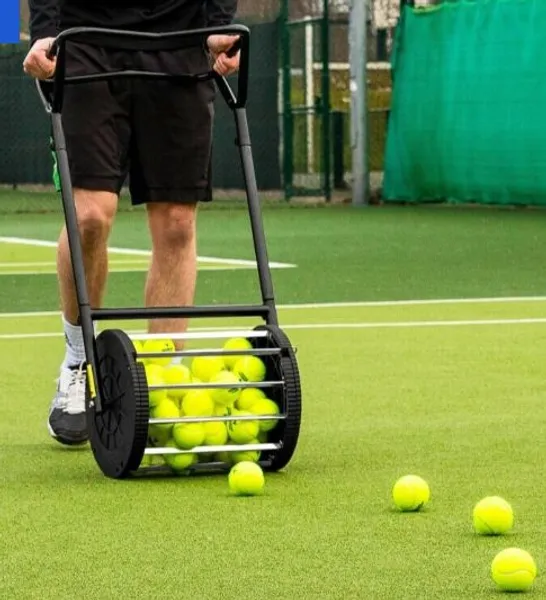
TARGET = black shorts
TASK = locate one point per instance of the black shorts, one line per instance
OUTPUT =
(159, 133)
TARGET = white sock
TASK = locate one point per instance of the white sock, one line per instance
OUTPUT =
(75, 350)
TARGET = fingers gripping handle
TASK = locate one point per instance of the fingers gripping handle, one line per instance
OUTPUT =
(132, 40)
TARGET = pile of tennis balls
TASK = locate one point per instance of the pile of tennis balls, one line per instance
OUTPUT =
(202, 402)
(512, 569)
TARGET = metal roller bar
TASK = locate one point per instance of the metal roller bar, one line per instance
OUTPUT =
(215, 334)
(216, 419)
(212, 352)
(210, 449)
(104, 314)
(217, 386)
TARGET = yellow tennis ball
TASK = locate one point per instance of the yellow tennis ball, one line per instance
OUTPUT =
(513, 570)
(225, 396)
(154, 345)
(265, 406)
(221, 411)
(154, 376)
(177, 375)
(410, 493)
(206, 367)
(166, 409)
(188, 435)
(152, 460)
(247, 397)
(493, 516)
(158, 436)
(179, 462)
(246, 455)
(250, 368)
(224, 457)
(241, 432)
(215, 433)
(246, 479)
(197, 403)
(235, 344)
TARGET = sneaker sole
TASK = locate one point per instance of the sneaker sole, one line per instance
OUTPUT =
(64, 440)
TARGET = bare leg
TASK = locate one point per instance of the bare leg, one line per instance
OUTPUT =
(96, 211)
(173, 271)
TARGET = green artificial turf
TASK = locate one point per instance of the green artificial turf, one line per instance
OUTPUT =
(452, 392)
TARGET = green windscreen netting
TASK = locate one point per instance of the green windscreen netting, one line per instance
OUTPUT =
(468, 120)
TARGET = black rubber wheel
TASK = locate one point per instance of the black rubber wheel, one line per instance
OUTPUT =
(119, 433)
(281, 367)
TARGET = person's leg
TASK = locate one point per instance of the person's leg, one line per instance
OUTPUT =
(95, 212)
(170, 173)
(97, 131)
(173, 270)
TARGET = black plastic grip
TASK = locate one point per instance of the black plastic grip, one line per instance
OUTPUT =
(137, 41)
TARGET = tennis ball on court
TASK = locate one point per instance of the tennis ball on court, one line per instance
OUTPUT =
(265, 406)
(493, 516)
(215, 433)
(154, 376)
(179, 462)
(250, 368)
(410, 493)
(188, 435)
(158, 346)
(241, 432)
(225, 396)
(197, 403)
(247, 397)
(235, 344)
(513, 570)
(177, 375)
(166, 409)
(206, 367)
(246, 455)
(246, 479)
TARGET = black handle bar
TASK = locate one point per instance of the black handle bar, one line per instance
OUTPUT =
(134, 40)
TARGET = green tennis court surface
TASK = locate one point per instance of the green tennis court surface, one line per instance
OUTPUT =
(394, 383)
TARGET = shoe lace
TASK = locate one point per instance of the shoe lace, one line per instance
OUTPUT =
(75, 391)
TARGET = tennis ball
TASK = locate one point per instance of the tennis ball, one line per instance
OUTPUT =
(166, 409)
(221, 411)
(513, 570)
(158, 346)
(225, 396)
(224, 457)
(152, 460)
(206, 367)
(158, 436)
(493, 516)
(215, 433)
(197, 403)
(265, 406)
(241, 432)
(246, 455)
(177, 375)
(188, 435)
(246, 479)
(247, 397)
(179, 462)
(250, 368)
(154, 376)
(235, 344)
(410, 493)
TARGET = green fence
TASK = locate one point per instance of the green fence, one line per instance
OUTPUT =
(467, 122)
(24, 154)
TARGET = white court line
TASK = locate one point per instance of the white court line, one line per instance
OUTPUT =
(137, 252)
(194, 333)
(363, 304)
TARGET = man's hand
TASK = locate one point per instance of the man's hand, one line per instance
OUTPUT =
(37, 64)
(218, 46)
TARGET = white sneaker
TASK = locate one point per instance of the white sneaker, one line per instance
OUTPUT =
(67, 423)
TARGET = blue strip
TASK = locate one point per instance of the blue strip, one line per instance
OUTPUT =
(9, 21)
